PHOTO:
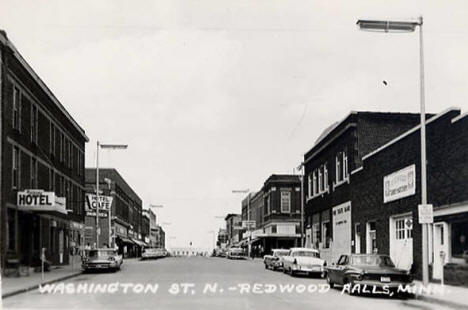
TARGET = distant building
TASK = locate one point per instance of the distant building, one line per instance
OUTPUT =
(222, 238)
(233, 228)
(160, 237)
(152, 217)
(189, 251)
(42, 153)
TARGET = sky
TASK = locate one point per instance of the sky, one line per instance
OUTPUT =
(213, 96)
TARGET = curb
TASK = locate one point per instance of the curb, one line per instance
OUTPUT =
(441, 302)
(36, 286)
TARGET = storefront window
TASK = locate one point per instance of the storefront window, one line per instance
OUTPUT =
(459, 239)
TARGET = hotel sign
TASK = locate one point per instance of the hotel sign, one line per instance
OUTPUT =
(35, 198)
(399, 184)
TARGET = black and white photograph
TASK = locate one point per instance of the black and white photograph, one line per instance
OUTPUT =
(221, 154)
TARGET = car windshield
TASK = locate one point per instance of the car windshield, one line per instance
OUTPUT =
(306, 254)
(372, 260)
(101, 253)
(280, 253)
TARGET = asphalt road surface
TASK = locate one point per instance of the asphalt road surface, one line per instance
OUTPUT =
(200, 283)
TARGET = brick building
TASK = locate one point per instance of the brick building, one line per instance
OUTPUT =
(160, 237)
(276, 209)
(126, 210)
(386, 192)
(152, 224)
(233, 228)
(42, 172)
(339, 150)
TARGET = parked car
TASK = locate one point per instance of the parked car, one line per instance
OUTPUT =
(275, 260)
(236, 253)
(372, 270)
(149, 253)
(101, 259)
(304, 260)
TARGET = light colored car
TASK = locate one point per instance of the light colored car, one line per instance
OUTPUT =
(304, 260)
(149, 253)
(236, 253)
(275, 260)
(101, 259)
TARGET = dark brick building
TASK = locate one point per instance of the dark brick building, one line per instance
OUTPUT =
(338, 151)
(42, 172)
(126, 220)
(386, 192)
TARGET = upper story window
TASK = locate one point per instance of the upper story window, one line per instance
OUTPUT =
(33, 170)
(52, 138)
(15, 168)
(62, 146)
(34, 123)
(285, 201)
(16, 117)
(318, 181)
(267, 203)
(341, 167)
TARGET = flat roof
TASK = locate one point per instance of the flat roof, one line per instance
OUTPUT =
(5, 41)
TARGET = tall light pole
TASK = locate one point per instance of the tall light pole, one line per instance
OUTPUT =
(102, 146)
(410, 26)
(301, 176)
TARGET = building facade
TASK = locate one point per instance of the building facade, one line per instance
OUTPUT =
(233, 228)
(386, 192)
(124, 230)
(280, 201)
(160, 237)
(152, 224)
(327, 187)
(42, 168)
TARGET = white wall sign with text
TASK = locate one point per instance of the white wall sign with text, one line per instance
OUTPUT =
(399, 184)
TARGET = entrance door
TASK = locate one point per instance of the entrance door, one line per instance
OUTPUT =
(341, 230)
(357, 239)
(371, 238)
(441, 244)
(401, 241)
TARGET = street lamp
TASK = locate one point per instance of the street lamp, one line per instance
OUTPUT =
(102, 146)
(410, 26)
(301, 176)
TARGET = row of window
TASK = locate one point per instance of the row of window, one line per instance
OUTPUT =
(318, 182)
(68, 152)
(57, 183)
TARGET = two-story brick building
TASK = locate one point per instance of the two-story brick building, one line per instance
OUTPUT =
(42, 167)
(339, 150)
(386, 191)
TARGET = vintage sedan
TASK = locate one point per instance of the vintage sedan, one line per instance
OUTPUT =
(304, 260)
(101, 259)
(153, 253)
(236, 253)
(275, 260)
(367, 271)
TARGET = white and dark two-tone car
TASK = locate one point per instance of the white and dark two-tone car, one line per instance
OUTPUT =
(101, 259)
(305, 261)
(275, 260)
(236, 253)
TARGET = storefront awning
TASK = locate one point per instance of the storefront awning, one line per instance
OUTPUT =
(125, 240)
(138, 242)
(53, 208)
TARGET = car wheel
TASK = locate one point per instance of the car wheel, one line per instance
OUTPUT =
(266, 266)
(285, 270)
(291, 272)
(329, 281)
(323, 274)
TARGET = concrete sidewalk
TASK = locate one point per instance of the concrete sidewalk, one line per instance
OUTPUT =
(15, 285)
(455, 297)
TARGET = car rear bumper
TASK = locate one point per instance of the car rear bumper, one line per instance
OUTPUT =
(308, 269)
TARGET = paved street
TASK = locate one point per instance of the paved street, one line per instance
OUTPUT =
(235, 280)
